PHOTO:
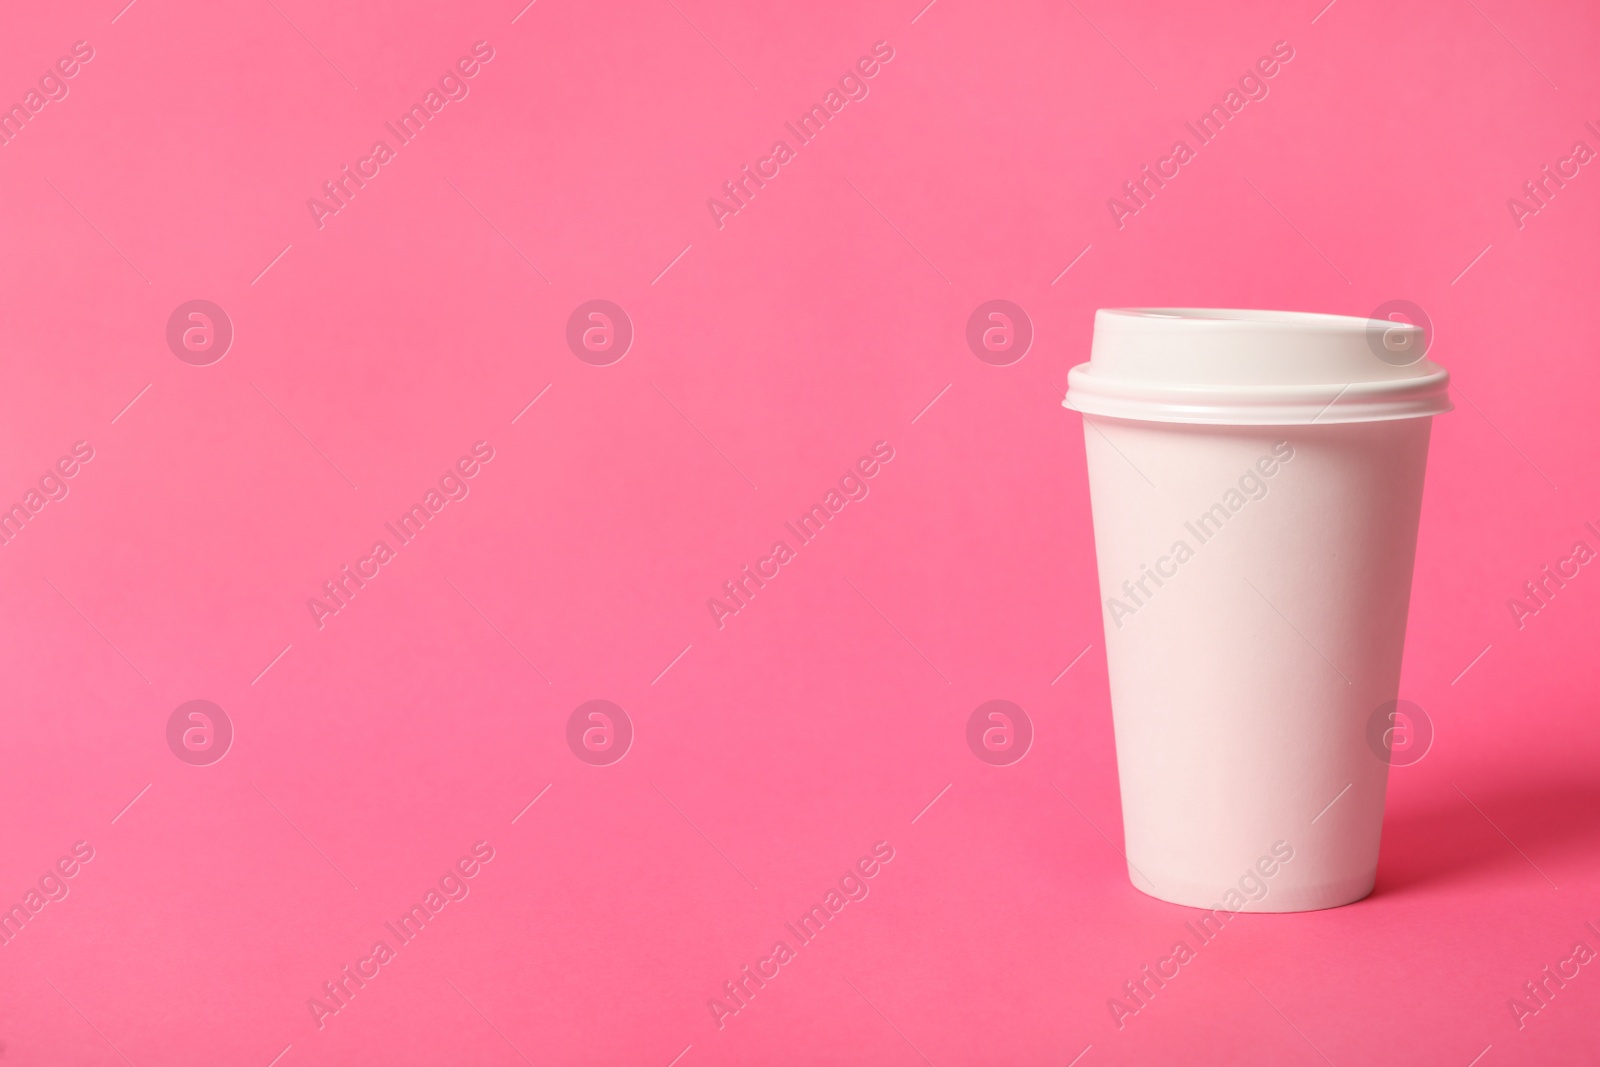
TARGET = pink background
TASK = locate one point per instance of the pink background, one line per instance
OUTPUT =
(371, 753)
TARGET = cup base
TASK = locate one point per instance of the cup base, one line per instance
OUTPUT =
(1279, 899)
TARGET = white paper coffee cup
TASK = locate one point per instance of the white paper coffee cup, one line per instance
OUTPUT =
(1256, 479)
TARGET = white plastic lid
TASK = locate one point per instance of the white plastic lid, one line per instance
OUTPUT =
(1207, 365)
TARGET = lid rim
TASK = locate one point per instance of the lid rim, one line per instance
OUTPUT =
(1276, 404)
(1223, 417)
(1247, 318)
(1255, 367)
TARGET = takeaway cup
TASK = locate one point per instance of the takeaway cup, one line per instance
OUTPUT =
(1255, 479)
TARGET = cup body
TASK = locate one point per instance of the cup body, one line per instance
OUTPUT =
(1255, 582)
